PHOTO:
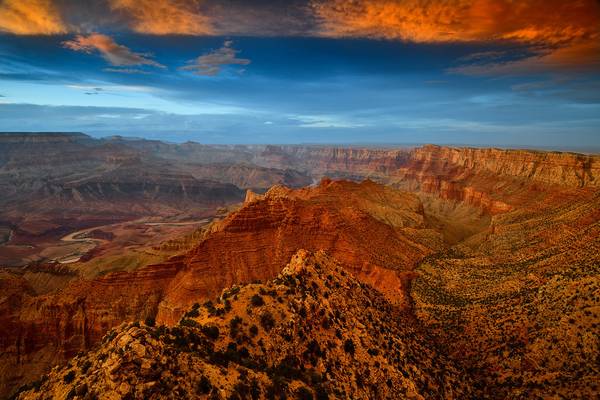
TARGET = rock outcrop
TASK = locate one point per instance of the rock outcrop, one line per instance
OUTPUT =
(250, 244)
(40, 331)
(313, 331)
(336, 161)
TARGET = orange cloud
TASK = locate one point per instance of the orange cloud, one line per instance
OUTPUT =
(30, 17)
(564, 32)
(164, 17)
(116, 54)
(459, 20)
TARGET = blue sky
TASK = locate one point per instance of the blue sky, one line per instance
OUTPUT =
(282, 87)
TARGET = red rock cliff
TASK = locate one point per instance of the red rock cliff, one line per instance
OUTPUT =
(375, 231)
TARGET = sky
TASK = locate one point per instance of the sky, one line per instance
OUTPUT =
(504, 73)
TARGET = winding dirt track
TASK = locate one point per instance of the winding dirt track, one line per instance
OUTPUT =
(75, 237)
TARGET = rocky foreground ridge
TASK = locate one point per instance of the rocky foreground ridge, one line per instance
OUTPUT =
(314, 331)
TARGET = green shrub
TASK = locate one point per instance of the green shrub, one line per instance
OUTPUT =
(321, 393)
(69, 377)
(234, 326)
(304, 394)
(257, 301)
(189, 322)
(204, 386)
(193, 313)
(267, 321)
(349, 346)
(210, 331)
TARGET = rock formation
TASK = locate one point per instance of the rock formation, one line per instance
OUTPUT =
(250, 244)
(492, 254)
(313, 331)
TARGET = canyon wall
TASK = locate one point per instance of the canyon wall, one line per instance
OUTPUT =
(376, 232)
(250, 244)
(555, 168)
(493, 180)
(41, 331)
(335, 161)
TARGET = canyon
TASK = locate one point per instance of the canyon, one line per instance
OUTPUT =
(487, 253)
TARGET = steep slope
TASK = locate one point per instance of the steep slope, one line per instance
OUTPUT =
(336, 216)
(565, 169)
(312, 331)
(251, 244)
(495, 180)
(518, 303)
(41, 331)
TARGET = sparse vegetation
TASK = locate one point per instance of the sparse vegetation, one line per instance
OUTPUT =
(349, 346)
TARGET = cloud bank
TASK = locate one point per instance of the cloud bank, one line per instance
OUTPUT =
(560, 35)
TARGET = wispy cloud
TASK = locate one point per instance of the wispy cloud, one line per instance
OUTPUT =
(111, 89)
(576, 57)
(114, 53)
(326, 121)
(210, 64)
(31, 17)
(126, 70)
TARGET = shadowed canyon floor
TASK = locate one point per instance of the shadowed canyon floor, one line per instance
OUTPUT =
(455, 272)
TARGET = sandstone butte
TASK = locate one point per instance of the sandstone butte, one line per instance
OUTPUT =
(378, 233)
